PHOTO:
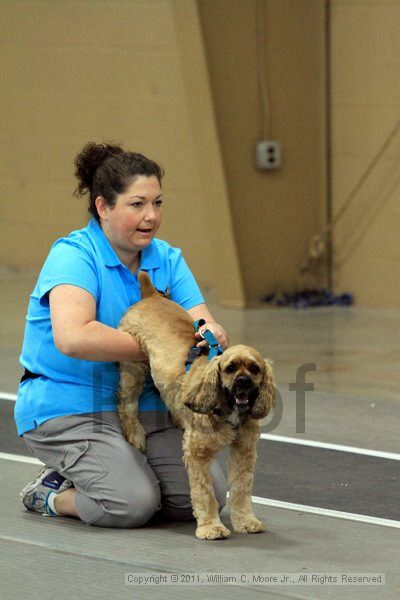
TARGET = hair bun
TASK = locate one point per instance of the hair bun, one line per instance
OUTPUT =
(88, 161)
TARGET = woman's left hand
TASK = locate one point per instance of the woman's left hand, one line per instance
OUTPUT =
(218, 332)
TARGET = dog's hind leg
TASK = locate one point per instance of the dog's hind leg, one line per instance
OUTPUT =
(242, 460)
(132, 378)
(198, 456)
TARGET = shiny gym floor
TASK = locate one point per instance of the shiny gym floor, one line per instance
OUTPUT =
(327, 481)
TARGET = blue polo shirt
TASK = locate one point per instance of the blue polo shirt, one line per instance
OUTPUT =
(71, 386)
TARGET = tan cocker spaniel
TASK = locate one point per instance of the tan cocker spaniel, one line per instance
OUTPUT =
(217, 403)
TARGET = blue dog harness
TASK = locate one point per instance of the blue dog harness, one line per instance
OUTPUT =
(214, 349)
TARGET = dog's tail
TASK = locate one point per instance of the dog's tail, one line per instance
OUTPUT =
(146, 286)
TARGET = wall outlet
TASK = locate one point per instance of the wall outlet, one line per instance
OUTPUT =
(268, 155)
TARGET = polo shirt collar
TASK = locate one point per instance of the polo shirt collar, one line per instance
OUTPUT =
(150, 256)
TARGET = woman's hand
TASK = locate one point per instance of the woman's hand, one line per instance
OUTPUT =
(201, 312)
(218, 332)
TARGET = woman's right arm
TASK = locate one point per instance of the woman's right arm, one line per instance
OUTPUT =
(77, 333)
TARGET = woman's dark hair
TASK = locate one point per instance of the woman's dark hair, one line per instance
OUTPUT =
(107, 170)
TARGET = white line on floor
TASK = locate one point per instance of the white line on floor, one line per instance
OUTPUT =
(326, 446)
(292, 440)
(5, 396)
(316, 510)
(326, 512)
(18, 458)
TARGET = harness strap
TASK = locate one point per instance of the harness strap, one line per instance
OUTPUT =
(197, 324)
(214, 349)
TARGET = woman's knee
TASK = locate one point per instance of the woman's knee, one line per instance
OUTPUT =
(131, 509)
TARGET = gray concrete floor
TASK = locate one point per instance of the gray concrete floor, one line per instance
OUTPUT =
(355, 402)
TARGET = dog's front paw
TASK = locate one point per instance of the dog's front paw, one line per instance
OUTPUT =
(218, 531)
(248, 525)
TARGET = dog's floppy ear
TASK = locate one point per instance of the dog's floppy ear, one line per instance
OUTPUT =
(201, 391)
(266, 397)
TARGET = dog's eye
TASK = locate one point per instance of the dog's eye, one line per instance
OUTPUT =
(254, 369)
(230, 368)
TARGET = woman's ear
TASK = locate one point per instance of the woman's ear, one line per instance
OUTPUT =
(201, 391)
(266, 397)
(101, 207)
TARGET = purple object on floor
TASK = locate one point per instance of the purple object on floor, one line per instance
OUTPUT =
(309, 299)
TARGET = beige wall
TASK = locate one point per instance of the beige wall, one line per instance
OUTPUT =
(109, 70)
(176, 79)
(365, 109)
(276, 213)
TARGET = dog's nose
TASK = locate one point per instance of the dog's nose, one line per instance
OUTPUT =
(243, 381)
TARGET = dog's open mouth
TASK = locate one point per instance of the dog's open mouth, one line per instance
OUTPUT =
(241, 399)
(238, 399)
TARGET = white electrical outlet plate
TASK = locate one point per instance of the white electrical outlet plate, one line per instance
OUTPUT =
(268, 155)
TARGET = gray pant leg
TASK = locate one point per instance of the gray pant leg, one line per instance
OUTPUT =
(115, 485)
(164, 454)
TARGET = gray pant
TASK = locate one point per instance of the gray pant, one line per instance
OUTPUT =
(117, 485)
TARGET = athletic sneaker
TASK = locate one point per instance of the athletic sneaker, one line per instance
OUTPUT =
(35, 495)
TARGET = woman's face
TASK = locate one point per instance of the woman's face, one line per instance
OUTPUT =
(133, 222)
